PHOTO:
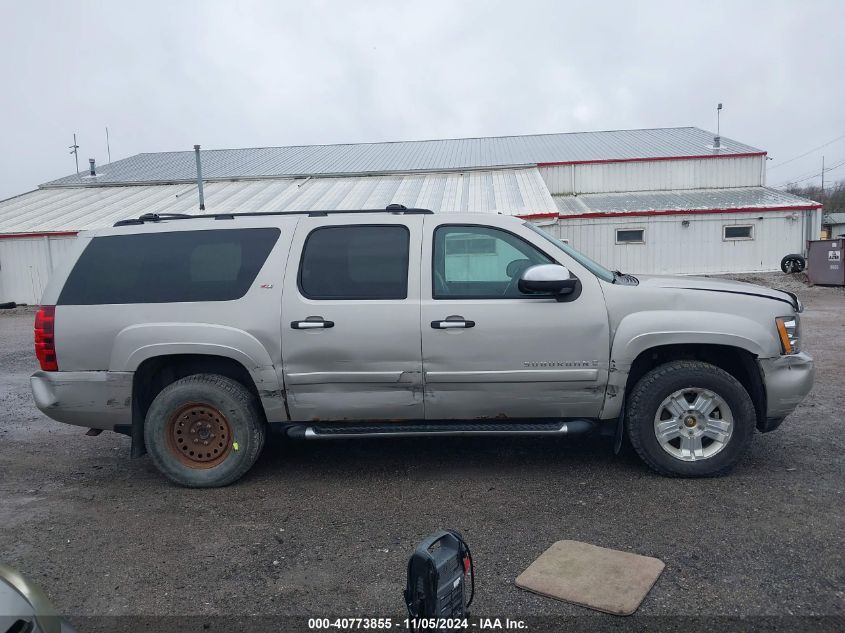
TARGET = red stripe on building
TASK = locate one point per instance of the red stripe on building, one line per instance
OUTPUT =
(8, 236)
(601, 161)
(547, 215)
(540, 216)
(628, 214)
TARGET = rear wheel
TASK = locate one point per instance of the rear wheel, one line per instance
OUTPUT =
(204, 431)
(690, 419)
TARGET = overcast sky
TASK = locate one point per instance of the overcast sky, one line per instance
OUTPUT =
(165, 75)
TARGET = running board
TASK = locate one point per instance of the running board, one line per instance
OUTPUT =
(340, 430)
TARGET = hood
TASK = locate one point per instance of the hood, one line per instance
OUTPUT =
(720, 285)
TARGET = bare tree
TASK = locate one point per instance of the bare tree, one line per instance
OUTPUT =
(832, 197)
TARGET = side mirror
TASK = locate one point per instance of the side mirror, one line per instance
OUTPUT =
(547, 279)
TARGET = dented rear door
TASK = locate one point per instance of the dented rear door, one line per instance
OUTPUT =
(350, 319)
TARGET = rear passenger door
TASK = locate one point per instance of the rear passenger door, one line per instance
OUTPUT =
(351, 345)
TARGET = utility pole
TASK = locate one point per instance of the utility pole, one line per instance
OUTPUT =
(73, 150)
(108, 148)
(822, 174)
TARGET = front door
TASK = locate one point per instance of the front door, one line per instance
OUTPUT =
(350, 319)
(490, 351)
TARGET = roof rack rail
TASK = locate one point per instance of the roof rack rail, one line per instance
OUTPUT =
(157, 217)
(152, 217)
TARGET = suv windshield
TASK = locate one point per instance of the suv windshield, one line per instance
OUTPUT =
(597, 269)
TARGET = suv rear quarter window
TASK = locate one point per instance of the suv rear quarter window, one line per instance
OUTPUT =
(212, 265)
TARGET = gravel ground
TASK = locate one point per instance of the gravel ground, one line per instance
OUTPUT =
(322, 529)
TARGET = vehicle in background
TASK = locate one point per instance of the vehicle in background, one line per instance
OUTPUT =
(24, 608)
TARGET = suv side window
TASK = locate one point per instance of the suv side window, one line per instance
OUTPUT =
(355, 262)
(174, 266)
(479, 262)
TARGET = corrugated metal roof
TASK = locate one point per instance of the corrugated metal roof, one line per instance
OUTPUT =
(408, 156)
(508, 191)
(691, 199)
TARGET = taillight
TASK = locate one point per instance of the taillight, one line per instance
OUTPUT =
(45, 338)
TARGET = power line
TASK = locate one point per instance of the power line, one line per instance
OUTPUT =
(831, 169)
(805, 176)
(814, 174)
(815, 149)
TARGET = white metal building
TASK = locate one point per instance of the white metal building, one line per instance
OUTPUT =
(642, 201)
(835, 224)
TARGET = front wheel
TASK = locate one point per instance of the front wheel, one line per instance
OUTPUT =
(204, 431)
(690, 419)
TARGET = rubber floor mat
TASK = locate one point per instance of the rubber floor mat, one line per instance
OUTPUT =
(596, 577)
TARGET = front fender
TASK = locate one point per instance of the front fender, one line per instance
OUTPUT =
(641, 331)
(137, 343)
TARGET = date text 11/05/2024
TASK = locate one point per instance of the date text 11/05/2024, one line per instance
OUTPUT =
(416, 624)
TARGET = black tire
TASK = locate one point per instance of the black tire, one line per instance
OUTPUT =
(658, 384)
(794, 263)
(210, 400)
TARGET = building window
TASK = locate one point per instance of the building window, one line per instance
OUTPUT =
(470, 245)
(630, 236)
(738, 232)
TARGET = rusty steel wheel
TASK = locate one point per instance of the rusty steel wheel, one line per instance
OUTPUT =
(199, 435)
(204, 430)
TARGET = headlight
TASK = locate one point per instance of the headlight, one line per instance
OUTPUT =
(788, 332)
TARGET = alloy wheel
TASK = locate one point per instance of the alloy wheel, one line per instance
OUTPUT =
(693, 424)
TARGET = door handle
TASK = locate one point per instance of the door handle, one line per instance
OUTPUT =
(454, 321)
(312, 323)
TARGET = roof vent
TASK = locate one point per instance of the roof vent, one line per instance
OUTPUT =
(717, 140)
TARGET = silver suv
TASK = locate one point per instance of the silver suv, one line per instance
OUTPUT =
(198, 335)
